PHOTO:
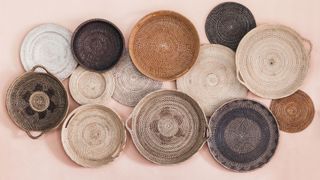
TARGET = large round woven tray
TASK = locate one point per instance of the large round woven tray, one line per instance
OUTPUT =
(93, 135)
(272, 61)
(212, 80)
(37, 102)
(168, 127)
(164, 45)
(294, 113)
(244, 135)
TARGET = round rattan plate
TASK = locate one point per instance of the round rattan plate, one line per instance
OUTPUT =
(212, 80)
(97, 44)
(130, 84)
(294, 113)
(87, 87)
(272, 61)
(37, 102)
(244, 135)
(227, 23)
(168, 127)
(93, 135)
(164, 45)
(48, 45)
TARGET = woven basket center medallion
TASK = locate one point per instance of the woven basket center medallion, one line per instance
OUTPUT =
(94, 134)
(39, 101)
(95, 85)
(212, 79)
(168, 127)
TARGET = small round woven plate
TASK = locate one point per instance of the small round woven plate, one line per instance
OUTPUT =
(244, 135)
(97, 44)
(93, 135)
(48, 45)
(227, 23)
(272, 61)
(130, 84)
(37, 102)
(294, 113)
(212, 80)
(164, 45)
(87, 87)
(168, 127)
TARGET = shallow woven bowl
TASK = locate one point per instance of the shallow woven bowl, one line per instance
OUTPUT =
(167, 127)
(164, 45)
(272, 61)
(93, 135)
(37, 102)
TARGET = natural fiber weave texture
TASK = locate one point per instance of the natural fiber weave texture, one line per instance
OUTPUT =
(244, 135)
(212, 80)
(294, 113)
(37, 102)
(130, 84)
(164, 45)
(87, 87)
(93, 135)
(48, 45)
(227, 23)
(97, 44)
(168, 127)
(272, 61)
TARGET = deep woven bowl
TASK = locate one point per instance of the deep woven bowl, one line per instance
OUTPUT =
(93, 135)
(244, 135)
(37, 102)
(97, 44)
(272, 61)
(168, 127)
(164, 45)
(294, 113)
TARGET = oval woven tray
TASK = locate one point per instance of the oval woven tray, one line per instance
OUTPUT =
(227, 23)
(37, 102)
(294, 113)
(212, 80)
(244, 135)
(87, 87)
(272, 61)
(93, 135)
(130, 84)
(168, 127)
(97, 44)
(48, 45)
(164, 45)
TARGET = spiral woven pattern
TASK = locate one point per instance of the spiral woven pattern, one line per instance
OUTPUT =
(212, 80)
(227, 23)
(87, 87)
(244, 135)
(294, 113)
(168, 127)
(272, 61)
(97, 44)
(164, 45)
(37, 102)
(130, 84)
(93, 135)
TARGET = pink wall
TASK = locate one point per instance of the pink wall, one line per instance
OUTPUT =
(297, 156)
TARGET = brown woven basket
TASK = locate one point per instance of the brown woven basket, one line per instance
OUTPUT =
(164, 45)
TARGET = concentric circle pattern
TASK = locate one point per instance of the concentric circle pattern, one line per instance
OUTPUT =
(212, 80)
(164, 45)
(227, 23)
(48, 45)
(97, 44)
(130, 84)
(93, 135)
(168, 127)
(87, 87)
(294, 113)
(272, 61)
(244, 135)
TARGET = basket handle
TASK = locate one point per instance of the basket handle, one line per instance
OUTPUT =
(308, 45)
(40, 67)
(240, 79)
(34, 136)
(128, 127)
